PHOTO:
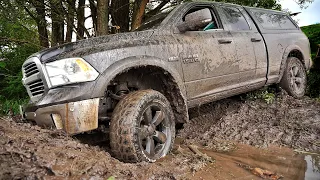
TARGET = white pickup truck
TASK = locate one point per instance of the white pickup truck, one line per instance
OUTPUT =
(139, 84)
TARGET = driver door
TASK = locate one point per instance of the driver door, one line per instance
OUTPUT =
(208, 59)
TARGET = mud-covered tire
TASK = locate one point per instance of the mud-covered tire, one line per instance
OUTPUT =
(294, 79)
(140, 118)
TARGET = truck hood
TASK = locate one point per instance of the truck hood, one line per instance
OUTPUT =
(92, 45)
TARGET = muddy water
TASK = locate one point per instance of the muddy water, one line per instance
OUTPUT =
(281, 161)
(313, 167)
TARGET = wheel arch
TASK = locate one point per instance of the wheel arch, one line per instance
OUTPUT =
(175, 83)
(291, 51)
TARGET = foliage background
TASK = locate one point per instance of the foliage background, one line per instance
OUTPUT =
(17, 41)
(313, 33)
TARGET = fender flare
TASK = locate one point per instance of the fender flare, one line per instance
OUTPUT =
(124, 65)
(285, 58)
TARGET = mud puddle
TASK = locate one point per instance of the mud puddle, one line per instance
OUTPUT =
(313, 167)
(283, 163)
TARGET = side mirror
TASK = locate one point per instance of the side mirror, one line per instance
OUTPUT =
(196, 20)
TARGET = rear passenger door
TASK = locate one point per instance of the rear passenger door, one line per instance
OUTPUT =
(250, 48)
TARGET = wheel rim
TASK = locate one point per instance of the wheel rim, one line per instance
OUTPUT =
(297, 79)
(154, 131)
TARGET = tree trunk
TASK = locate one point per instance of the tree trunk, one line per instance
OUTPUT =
(138, 13)
(120, 14)
(41, 23)
(102, 17)
(70, 20)
(93, 8)
(81, 19)
(57, 16)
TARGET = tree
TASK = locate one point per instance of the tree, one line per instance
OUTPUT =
(71, 7)
(40, 19)
(102, 17)
(303, 3)
(119, 11)
(57, 17)
(93, 9)
(139, 8)
(17, 42)
(80, 19)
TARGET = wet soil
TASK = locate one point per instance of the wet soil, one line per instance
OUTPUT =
(288, 122)
(233, 137)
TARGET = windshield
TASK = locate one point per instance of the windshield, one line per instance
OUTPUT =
(155, 21)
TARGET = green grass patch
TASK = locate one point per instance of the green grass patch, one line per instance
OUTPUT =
(11, 106)
(267, 94)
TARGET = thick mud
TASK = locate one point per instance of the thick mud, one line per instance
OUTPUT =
(289, 122)
(229, 139)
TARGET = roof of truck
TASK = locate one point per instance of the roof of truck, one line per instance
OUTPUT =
(212, 2)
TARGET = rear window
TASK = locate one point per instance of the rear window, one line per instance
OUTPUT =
(270, 20)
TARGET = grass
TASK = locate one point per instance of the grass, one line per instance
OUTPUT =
(268, 94)
(11, 106)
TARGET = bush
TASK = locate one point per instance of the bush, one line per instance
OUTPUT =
(11, 106)
(13, 87)
(12, 91)
(313, 33)
(313, 89)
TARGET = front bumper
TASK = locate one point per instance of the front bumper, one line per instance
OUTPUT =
(72, 117)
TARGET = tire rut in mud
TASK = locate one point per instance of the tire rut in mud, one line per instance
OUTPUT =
(290, 122)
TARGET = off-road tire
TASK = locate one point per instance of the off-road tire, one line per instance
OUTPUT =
(126, 129)
(294, 79)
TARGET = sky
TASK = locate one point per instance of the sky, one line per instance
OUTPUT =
(310, 15)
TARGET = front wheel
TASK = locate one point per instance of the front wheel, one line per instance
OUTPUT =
(142, 127)
(294, 79)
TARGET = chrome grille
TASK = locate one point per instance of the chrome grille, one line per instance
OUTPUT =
(36, 87)
(33, 78)
(30, 69)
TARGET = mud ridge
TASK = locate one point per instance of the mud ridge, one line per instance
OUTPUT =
(290, 122)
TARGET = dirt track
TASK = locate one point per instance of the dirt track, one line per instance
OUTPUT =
(30, 151)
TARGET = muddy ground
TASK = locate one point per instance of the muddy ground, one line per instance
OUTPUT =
(234, 136)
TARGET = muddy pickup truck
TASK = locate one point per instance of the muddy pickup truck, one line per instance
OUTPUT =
(138, 85)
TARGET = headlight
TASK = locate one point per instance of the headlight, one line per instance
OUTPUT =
(71, 70)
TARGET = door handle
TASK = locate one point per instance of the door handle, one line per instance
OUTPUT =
(255, 39)
(224, 41)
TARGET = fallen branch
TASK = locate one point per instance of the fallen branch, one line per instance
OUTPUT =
(265, 174)
(196, 151)
(305, 152)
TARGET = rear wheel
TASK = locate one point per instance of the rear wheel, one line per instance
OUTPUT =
(142, 127)
(294, 79)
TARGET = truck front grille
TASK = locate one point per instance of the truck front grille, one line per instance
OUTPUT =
(30, 69)
(36, 88)
(33, 78)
